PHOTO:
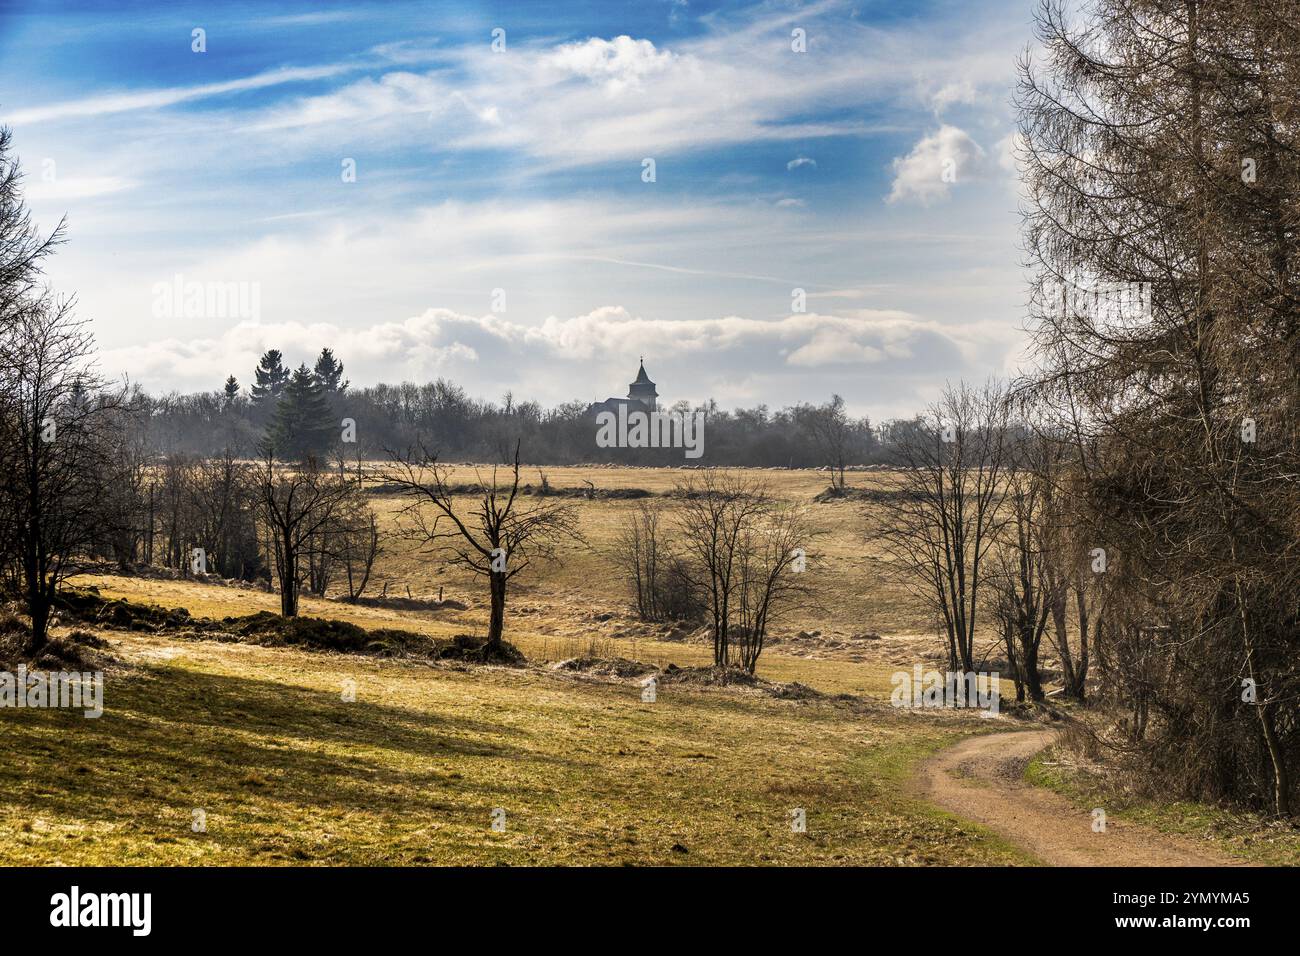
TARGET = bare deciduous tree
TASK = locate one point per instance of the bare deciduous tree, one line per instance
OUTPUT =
(1024, 589)
(942, 520)
(717, 508)
(742, 552)
(360, 547)
(641, 551)
(498, 536)
(773, 578)
(296, 503)
(55, 440)
(833, 434)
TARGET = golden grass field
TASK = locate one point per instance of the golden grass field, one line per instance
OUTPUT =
(855, 593)
(287, 771)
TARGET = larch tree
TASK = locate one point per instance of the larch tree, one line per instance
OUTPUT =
(1161, 164)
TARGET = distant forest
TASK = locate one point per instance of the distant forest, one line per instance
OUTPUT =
(301, 412)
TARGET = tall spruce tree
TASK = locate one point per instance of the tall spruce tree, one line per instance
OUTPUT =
(270, 378)
(329, 373)
(303, 421)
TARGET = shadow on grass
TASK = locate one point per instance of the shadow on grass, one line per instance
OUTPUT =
(173, 739)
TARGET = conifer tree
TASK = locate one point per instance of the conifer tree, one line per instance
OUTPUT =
(303, 421)
(329, 373)
(270, 378)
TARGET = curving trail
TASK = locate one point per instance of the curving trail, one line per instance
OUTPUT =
(980, 779)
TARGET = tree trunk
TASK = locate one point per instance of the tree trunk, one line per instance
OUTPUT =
(39, 606)
(1079, 691)
(1061, 632)
(288, 597)
(289, 581)
(1029, 664)
(497, 619)
(1281, 777)
(1009, 642)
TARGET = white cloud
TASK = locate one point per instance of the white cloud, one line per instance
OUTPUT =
(620, 64)
(472, 349)
(348, 261)
(576, 103)
(941, 159)
(398, 94)
(1006, 152)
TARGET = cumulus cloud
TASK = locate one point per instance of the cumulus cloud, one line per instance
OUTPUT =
(621, 63)
(1006, 152)
(940, 160)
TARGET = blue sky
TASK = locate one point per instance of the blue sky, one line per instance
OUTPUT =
(499, 231)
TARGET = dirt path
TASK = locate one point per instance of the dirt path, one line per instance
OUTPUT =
(981, 779)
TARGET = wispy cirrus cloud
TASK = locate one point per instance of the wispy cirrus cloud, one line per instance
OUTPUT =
(154, 99)
(607, 98)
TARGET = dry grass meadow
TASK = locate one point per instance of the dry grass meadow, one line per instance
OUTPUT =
(286, 771)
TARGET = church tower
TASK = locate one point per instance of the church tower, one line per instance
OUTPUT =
(643, 390)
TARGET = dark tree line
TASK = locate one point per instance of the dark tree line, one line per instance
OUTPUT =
(302, 412)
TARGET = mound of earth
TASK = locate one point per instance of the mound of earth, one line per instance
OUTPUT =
(273, 630)
(1042, 712)
(346, 638)
(78, 650)
(863, 494)
(710, 676)
(325, 635)
(737, 677)
(467, 647)
(607, 667)
(411, 603)
(88, 607)
(550, 491)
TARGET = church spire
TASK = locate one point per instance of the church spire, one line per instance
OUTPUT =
(643, 390)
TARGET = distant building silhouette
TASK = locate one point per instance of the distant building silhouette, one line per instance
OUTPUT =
(642, 396)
